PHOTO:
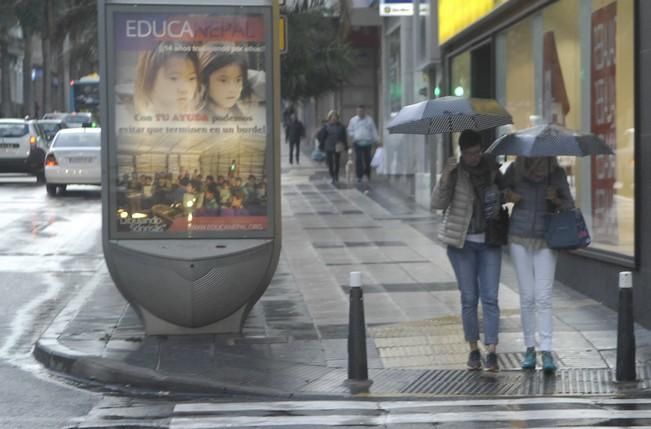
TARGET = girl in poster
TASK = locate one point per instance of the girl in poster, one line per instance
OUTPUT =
(167, 80)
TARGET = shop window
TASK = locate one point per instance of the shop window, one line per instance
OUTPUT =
(572, 64)
(394, 73)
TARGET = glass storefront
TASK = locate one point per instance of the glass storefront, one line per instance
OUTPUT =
(394, 73)
(572, 64)
(460, 86)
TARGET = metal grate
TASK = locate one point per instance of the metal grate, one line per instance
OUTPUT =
(570, 381)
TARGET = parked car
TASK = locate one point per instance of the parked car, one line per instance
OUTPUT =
(74, 158)
(50, 127)
(22, 147)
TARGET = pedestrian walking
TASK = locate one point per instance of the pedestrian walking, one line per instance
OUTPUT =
(537, 186)
(294, 132)
(461, 192)
(363, 134)
(333, 141)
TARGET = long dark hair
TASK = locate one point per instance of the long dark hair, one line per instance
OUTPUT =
(219, 61)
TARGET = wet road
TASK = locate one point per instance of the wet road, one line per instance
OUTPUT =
(446, 414)
(49, 248)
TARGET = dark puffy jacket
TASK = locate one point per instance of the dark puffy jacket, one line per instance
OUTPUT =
(330, 134)
(528, 215)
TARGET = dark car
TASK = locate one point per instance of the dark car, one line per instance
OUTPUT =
(22, 147)
(50, 127)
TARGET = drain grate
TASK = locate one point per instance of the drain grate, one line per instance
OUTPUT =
(570, 381)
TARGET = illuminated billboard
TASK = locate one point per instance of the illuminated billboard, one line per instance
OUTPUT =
(192, 143)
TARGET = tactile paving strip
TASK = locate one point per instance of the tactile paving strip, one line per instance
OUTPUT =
(570, 381)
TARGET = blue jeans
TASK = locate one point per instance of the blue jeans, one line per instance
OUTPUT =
(477, 268)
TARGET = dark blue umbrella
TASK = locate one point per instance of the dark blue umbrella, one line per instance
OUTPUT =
(549, 140)
(449, 114)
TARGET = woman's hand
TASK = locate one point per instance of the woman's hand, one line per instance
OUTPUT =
(450, 165)
(512, 197)
(552, 195)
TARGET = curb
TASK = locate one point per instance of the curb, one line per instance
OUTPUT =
(96, 369)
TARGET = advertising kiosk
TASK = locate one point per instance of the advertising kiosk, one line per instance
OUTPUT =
(190, 149)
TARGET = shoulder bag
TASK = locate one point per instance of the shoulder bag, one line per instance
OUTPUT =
(566, 230)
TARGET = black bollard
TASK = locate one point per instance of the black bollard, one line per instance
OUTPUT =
(625, 330)
(357, 365)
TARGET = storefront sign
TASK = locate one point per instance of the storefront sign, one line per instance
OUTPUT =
(396, 8)
(190, 124)
(603, 122)
(556, 104)
(455, 15)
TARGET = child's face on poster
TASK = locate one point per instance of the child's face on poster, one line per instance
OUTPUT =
(175, 86)
(225, 85)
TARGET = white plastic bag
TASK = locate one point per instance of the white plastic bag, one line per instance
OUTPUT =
(378, 158)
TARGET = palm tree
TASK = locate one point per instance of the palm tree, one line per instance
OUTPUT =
(7, 21)
(27, 13)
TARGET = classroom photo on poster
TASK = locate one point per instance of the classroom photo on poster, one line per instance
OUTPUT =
(190, 123)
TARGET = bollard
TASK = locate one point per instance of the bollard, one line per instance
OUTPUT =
(357, 365)
(625, 330)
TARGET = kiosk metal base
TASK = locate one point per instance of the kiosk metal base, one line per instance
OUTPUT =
(157, 326)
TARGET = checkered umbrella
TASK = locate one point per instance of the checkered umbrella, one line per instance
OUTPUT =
(449, 114)
(549, 140)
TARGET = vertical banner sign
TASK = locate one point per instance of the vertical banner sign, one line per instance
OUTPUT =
(190, 123)
(556, 104)
(602, 117)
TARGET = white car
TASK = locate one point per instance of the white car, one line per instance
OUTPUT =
(74, 158)
(22, 147)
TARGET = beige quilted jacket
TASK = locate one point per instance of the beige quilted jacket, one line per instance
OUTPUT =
(458, 204)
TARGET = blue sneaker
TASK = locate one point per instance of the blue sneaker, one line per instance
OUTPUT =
(474, 360)
(548, 363)
(529, 361)
(491, 362)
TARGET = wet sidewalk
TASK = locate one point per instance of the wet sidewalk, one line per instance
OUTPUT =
(294, 343)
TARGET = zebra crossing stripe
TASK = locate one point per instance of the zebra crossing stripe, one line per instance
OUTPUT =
(209, 407)
(371, 413)
(211, 422)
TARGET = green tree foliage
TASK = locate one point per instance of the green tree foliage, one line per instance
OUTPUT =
(318, 59)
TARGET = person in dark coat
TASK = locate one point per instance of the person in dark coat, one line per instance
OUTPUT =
(294, 132)
(333, 140)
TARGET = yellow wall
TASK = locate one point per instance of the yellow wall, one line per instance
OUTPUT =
(456, 15)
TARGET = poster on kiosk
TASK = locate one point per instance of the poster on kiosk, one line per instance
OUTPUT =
(190, 149)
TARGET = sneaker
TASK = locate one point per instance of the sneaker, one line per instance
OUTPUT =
(548, 364)
(474, 360)
(529, 361)
(491, 362)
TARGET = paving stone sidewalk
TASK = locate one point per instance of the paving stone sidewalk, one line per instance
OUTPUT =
(294, 343)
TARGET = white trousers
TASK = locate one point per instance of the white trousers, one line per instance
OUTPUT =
(536, 269)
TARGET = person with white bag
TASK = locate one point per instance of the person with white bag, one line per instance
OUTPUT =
(363, 134)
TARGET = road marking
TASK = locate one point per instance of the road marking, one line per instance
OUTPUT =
(391, 405)
(386, 413)
(385, 420)
(25, 316)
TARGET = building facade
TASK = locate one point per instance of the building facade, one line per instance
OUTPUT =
(580, 64)
(411, 73)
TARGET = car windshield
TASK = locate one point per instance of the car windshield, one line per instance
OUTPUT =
(77, 140)
(13, 129)
(50, 128)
